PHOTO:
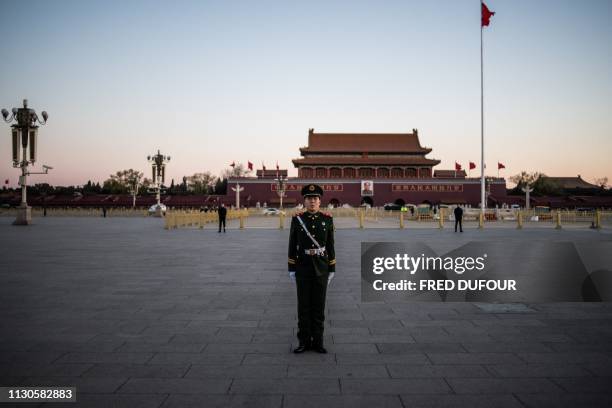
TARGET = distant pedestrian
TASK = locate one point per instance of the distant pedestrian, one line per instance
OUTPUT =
(222, 214)
(458, 218)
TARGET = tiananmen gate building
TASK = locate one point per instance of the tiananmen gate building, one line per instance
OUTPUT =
(372, 168)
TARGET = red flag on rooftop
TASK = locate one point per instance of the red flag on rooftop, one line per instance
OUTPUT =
(500, 166)
(233, 164)
(277, 168)
(263, 166)
(472, 165)
(486, 15)
(250, 165)
(457, 167)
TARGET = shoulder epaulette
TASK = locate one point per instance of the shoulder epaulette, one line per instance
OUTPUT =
(328, 214)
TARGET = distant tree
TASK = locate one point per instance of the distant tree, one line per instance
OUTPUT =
(124, 182)
(91, 188)
(541, 184)
(41, 189)
(601, 182)
(239, 170)
(200, 183)
(545, 186)
(221, 186)
(524, 178)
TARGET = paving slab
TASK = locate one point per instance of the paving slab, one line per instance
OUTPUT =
(138, 316)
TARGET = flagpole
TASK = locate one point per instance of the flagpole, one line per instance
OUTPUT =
(482, 168)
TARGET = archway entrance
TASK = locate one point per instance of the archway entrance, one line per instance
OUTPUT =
(367, 200)
(334, 202)
(400, 202)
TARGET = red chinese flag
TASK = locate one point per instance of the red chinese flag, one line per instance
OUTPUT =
(263, 166)
(500, 166)
(457, 167)
(6, 181)
(472, 165)
(250, 165)
(277, 168)
(233, 164)
(485, 15)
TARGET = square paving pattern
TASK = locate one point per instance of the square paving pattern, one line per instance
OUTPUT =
(137, 316)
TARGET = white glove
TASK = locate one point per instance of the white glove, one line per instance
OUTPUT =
(292, 275)
(331, 276)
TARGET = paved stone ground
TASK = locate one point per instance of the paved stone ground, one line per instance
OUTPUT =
(136, 316)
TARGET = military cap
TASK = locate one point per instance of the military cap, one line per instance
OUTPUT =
(312, 190)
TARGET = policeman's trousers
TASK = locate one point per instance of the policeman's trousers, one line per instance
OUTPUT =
(311, 291)
(458, 221)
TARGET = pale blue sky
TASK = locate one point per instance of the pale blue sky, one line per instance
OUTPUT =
(209, 82)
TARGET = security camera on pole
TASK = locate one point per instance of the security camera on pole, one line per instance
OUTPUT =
(24, 134)
(158, 167)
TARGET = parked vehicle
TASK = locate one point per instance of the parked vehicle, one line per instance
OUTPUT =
(272, 211)
(392, 207)
(153, 209)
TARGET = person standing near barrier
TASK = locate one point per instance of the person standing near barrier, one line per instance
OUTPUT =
(312, 265)
(222, 214)
(458, 212)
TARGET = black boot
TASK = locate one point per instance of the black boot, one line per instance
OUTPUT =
(302, 347)
(318, 347)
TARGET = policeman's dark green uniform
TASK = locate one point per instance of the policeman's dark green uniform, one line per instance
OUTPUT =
(312, 261)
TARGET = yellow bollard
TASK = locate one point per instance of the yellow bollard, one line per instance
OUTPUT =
(280, 221)
(597, 222)
(201, 220)
(519, 220)
(441, 220)
(401, 220)
(480, 220)
(241, 221)
(361, 219)
(558, 219)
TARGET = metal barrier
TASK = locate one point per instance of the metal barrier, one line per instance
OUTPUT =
(178, 219)
(362, 218)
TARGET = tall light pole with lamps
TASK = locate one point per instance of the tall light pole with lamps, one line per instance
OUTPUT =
(281, 186)
(24, 136)
(158, 168)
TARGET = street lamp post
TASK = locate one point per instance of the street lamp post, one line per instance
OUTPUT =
(527, 189)
(237, 189)
(281, 186)
(24, 135)
(158, 168)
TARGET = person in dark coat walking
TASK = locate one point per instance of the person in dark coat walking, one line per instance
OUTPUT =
(312, 265)
(222, 214)
(458, 218)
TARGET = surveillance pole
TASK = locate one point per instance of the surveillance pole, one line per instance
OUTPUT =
(24, 134)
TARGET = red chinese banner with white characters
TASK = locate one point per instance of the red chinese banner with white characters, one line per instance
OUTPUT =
(429, 188)
(298, 187)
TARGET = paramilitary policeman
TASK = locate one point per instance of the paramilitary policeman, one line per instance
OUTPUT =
(312, 264)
